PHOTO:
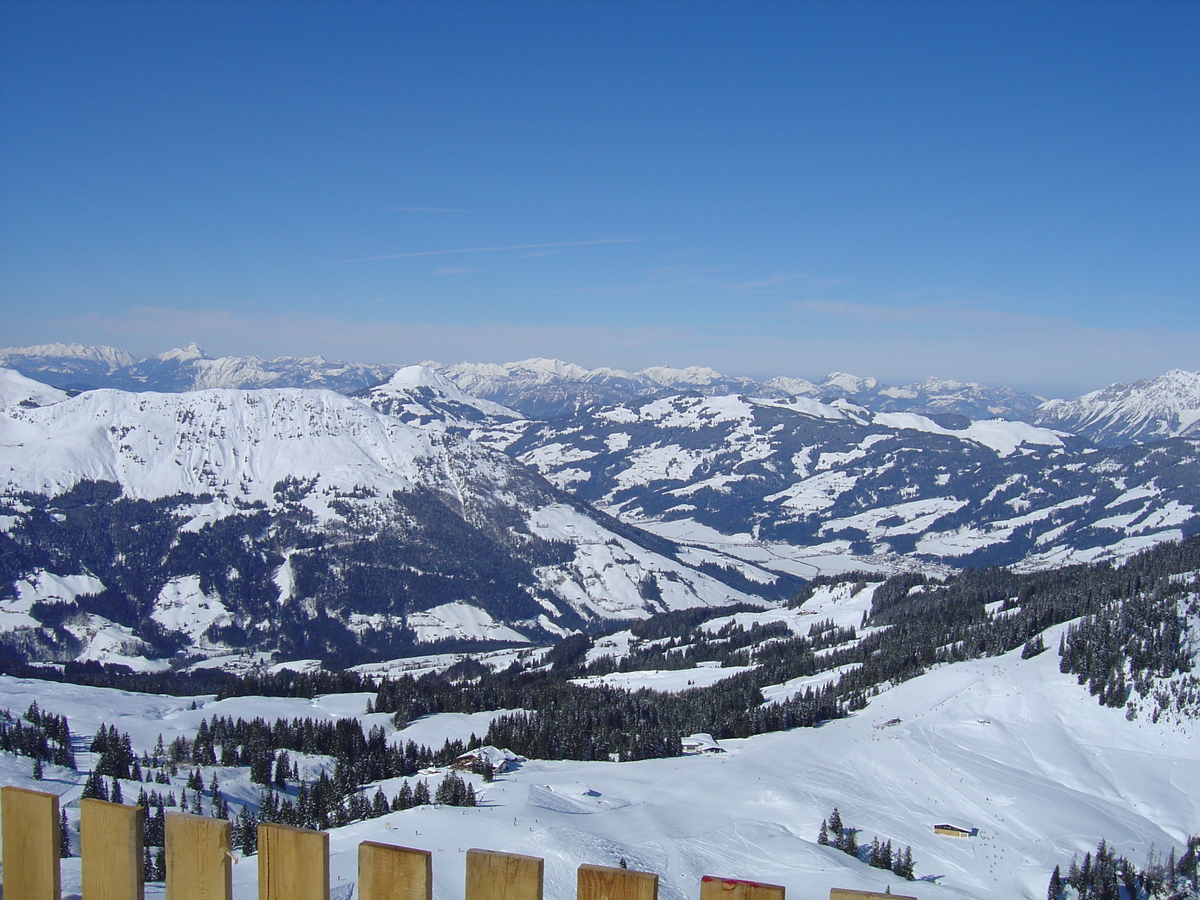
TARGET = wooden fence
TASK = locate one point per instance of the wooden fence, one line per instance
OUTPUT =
(293, 863)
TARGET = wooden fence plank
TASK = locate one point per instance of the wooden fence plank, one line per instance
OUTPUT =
(387, 872)
(199, 865)
(606, 883)
(733, 889)
(850, 894)
(110, 842)
(293, 863)
(503, 876)
(30, 835)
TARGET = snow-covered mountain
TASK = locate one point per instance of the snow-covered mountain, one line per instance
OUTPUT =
(547, 388)
(67, 365)
(932, 397)
(286, 519)
(537, 388)
(184, 369)
(423, 396)
(542, 389)
(18, 391)
(1148, 410)
(828, 480)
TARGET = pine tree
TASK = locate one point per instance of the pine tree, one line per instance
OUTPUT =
(249, 832)
(1054, 891)
(64, 835)
(421, 793)
(404, 799)
(836, 831)
(823, 837)
(903, 864)
(379, 804)
(116, 795)
(38, 771)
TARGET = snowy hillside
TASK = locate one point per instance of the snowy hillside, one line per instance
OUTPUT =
(932, 397)
(18, 391)
(423, 396)
(287, 519)
(1148, 410)
(817, 481)
(1009, 749)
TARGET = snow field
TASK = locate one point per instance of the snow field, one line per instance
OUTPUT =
(1009, 746)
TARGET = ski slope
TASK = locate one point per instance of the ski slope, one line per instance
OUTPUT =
(1007, 746)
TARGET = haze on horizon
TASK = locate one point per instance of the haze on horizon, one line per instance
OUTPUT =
(1004, 193)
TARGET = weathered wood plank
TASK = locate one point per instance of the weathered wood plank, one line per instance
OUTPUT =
(30, 834)
(387, 872)
(199, 864)
(606, 883)
(734, 889)
(110, 842)
(850, 894)
(293, 863)
(503, 876)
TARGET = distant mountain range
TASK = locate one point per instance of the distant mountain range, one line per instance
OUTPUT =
(427, 503)
(78, 367)
(1148, 410)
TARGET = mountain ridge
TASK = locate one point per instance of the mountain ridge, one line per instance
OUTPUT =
(1154, 408)
(295, 515)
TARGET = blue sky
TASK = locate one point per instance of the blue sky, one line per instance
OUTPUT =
(1004, 192)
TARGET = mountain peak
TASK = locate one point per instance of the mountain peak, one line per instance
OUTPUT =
(419, 376)
(184, 354)
(852, 384)
(1151, 409)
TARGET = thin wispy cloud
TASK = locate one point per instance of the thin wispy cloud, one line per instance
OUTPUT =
(452, 270)
(663, 280)
(878, 312)
(422, 209)
(416, 253)
(763, 285)
(644, 287)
